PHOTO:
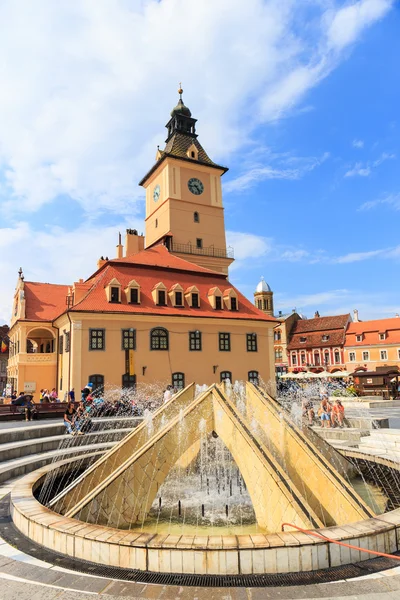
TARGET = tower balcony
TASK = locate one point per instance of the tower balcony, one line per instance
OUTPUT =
(209, 251)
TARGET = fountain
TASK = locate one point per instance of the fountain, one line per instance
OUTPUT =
(204, 485)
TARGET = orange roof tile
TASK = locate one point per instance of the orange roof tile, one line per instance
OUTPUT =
(44, 301)
(370, 331)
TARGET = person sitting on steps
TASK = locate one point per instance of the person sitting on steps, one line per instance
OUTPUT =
(70, 420)
(337, 414)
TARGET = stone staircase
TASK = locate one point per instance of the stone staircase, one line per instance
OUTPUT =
(24, 449)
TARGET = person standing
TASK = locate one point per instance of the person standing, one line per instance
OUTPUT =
(71, 395)
(168, 394)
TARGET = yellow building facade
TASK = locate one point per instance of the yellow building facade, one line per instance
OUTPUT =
(163, 309)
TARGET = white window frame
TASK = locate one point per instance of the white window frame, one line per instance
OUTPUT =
(382, 337)
(367, 353)
(352, 357)
(381, 352)
(359, 338)
(294, 360)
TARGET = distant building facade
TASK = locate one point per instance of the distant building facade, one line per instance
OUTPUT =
(282, 333)
(318, 344)
(372, 344)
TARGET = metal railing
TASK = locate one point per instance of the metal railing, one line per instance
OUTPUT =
(209, 251)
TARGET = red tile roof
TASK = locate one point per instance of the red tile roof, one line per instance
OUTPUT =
(159, 257)
(371, 330)
(155, 265)
(313, 330)
(44, 301)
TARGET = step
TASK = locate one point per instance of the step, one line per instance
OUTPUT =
(347, 403)
(341, 434)
(367, 423)
(34, 430)
(21, 466)
(381, 442)
(343, 443)
(45, 444)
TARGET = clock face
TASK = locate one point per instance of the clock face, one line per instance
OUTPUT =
(156, 193)
(195, 186)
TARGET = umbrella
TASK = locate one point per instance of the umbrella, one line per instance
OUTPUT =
(311, 375)
(23, 400)
(323, 374)
(340, 374)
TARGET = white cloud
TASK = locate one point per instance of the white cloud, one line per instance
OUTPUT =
(357, 256)
(247, 245)
(365, 169)
(87, 86)
(359, 170)
(348, 23)
(258, 172)
(54, 256)
(391, 201)
(358, 143)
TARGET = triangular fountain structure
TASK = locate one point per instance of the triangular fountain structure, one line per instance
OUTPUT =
(288, 478)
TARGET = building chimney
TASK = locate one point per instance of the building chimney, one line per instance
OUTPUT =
(316, 314)
(397, 315)
(355, 318)
(120, 248)
(134, 242)
(101, 262)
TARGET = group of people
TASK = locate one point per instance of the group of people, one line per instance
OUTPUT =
(331, 414)
(48, 395)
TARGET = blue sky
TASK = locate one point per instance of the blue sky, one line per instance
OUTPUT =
(300, 102)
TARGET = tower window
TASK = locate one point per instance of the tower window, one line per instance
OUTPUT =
(195, 301)
(162, 301)
(156, 223)
(114, 296)
(218, 302)
(196, 217)
(199, 243)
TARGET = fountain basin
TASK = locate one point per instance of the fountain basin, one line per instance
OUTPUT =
(289, 552)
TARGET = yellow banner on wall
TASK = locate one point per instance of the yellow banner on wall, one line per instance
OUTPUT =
(131, 362)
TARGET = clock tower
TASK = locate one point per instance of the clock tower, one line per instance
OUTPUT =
(184, 207)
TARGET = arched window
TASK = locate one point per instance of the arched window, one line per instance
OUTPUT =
(264, 304)
(277, 336)
(226, 375)
(317, 360)
(159, 339)
(178, 380)
(196, 217)
(128, 381)
(326, 358)
(302, 359)
(253, 377)
(98, 383)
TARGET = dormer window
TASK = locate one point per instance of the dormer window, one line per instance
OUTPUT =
(192, 152)
(195, 301)
(325, 338)
(159, 294)
(303, 340)
(132, 292)
(113, 291)
(215, 298)
(382, 336)
(359, 338)
(162, 300)
(231, 299)
(178, 299)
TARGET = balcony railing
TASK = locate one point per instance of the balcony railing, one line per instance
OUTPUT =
(209, 251)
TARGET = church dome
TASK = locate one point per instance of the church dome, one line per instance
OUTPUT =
(262, 287)
(181, 109)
